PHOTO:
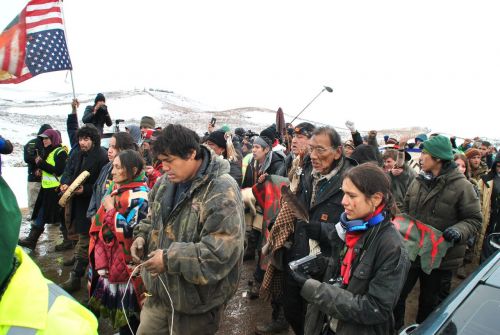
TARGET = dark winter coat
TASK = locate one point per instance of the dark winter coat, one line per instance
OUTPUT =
(235, 171)
(448, 200)
(92, 161)
(378, 274)
(401, 183)
(48, 197)
(326, 210)
(98, 119)
(99, 189)
(33, 148)
(251, 176)
(287, 165)
(5, 148)
(365, 153)
(201, 238)
(72, 128)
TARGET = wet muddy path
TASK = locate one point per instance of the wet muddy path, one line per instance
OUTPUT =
(242, 314)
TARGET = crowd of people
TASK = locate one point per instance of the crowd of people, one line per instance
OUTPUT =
(161, 221)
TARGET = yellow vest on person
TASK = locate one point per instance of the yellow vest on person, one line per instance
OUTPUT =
(49, 180)
(34, 305)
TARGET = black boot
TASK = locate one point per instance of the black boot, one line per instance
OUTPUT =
(31, 240)
(70, 262)
(65, 245)
(278, 323)
(74, 282)
(252, 238)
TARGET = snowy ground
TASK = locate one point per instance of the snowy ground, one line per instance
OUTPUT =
(16, 177)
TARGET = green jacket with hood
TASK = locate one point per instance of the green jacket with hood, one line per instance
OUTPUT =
(448, 200)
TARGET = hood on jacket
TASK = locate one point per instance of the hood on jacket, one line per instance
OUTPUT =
(43, 128)
(135, 132)
(365, 153)
(492, 172)
(54, 135)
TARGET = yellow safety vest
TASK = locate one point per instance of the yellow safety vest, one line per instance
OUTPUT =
(49, 180)
(34, 305)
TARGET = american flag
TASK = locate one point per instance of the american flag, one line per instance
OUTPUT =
(34, 43)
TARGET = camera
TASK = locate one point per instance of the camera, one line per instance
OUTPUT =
(310, 264)
(103, 109)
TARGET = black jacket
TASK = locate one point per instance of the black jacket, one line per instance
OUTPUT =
(326, 210)
(33, 148)
(287, 165)
(98, 119)
(378, 274)
(72, 127)
(48, 197)
(92, 161)
(251, 175)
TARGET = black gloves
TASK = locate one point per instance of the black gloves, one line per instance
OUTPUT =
(313, 230)
(299, 277)
(451, 234)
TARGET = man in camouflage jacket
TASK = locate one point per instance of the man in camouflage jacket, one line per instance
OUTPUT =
(194, 237)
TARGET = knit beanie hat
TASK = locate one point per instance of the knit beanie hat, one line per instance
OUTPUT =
(269, 132)
(421, 137)
(10, 219)
(262, 141)
(469, 153)
(217, 137)
(439, 146)
(99, 97)
(147, 122)
(225, 128)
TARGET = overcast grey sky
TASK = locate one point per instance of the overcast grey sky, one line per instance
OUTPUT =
(391, 63)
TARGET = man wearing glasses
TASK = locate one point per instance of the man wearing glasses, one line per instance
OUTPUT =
(319, 189)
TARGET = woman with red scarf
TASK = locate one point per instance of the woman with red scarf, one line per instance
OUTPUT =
(124, 205)
(364, 278)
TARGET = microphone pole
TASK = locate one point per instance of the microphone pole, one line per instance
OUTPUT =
(325, 88)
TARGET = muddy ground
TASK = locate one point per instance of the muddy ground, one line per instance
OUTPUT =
(240, 318)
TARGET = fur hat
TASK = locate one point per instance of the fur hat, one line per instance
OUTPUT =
(472, 152)
(147, 122)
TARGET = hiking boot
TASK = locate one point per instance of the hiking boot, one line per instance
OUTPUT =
(70, 262)
(65, 245)
(253, 291)
(73, 284)
(31, 240)
(461, 272)
(252, 239)
(273, 327)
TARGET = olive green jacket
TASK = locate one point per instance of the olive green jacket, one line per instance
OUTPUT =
(201, 238)
(449, 200)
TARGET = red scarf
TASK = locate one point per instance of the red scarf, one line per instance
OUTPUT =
(351, 239)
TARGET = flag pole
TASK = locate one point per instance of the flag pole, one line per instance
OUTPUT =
(67, 45)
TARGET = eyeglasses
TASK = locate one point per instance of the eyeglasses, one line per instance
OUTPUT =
(319, 150)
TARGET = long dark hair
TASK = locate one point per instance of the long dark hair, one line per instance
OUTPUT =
(124, 141)
(466, 161)
(129, 160)
(371, 179)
